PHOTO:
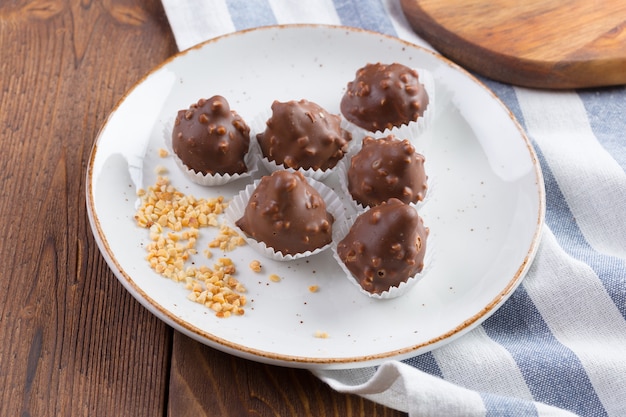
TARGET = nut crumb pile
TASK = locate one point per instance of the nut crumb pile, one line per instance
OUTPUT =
(174, 220)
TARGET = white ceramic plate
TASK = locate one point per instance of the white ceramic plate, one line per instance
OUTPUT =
(485, 214)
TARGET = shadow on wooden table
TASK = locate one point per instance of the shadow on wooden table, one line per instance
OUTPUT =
(207, 382)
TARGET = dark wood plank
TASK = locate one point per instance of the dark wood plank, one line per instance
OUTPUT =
(535, 43)
(73, 342)
(207, 382)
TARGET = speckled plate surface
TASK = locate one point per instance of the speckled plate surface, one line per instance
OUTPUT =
(486, 214)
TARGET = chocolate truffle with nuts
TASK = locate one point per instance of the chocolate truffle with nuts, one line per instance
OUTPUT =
(384, 96)
(287, 214)
(385, 246)
(302, 134)
(210, 138)
(385, 168)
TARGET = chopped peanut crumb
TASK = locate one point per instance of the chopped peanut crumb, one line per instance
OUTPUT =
(274, 278)
(255, 265)
(163, 152)
(227, 239)
(314, 288)
(321, 335)
(173, 220)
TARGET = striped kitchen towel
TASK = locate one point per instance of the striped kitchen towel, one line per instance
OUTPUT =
(557, 347)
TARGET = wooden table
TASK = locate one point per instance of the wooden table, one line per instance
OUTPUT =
(73, 342)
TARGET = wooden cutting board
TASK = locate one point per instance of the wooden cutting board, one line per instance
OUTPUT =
(535, 43)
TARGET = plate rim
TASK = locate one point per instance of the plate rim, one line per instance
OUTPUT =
(258, 355)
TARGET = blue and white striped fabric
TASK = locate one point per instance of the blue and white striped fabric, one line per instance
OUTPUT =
(557, 347)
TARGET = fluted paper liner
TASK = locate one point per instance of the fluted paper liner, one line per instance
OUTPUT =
(258, 126)
(414, 131)
(212, 180)
(342, 177)
(340, 231)
(237, 207)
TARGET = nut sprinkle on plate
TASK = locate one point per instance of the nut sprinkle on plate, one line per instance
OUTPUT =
(174, 221)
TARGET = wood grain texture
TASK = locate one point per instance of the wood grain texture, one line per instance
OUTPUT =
(73, 342)
(535, 43)
(206, 382)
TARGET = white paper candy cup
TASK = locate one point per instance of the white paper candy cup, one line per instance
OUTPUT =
(237, 207)
(342, 178)
(414, 131)
(250, 159)
(212, 180)
(340, 231)
(258, 126)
